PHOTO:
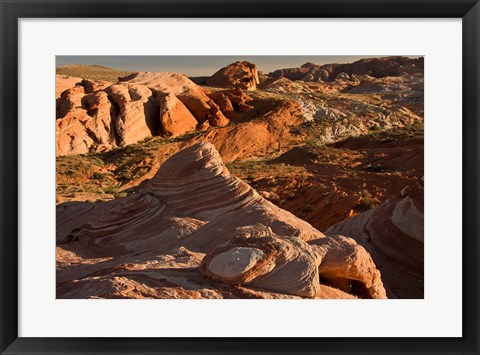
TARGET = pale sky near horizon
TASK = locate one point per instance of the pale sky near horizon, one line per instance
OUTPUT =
(203, 65)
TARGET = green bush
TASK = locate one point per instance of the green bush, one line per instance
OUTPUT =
(110, 189)
(119, 194)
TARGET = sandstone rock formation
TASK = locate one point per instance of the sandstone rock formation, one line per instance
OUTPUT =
(189, 93)
(346, 116)
(374, 67)
(84, 121)
(196, 231)
(148, 104)
(359, 278)
(232, 100)
(96, 116)
(326, 143)
(242, 75)
(137, 112)
(175, 119)
(393, 233)
(64, 82)
(268, 133)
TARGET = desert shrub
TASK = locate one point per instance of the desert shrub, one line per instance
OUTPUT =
(98, 176)
(295, 130)
(69, 172)
(303, 176)
(110, 189)
(119, 194)
(377, 168)
(367, 203)
(125, 175)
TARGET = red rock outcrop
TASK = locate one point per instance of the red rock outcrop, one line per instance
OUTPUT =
(64, 82)
(231, 100)
(359, 277)
(375, 67)
(241, 75)
(267, 133)
(393, 234)
(189, 93)
(137, 112)
(91, 116)
(175, 119)
(85, 121)
(196, 231)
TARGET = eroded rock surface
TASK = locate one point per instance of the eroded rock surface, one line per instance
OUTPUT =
(197, 231)
(242, 75)
(93, 116)
(374, 67)
(64, 82)
(393, 234)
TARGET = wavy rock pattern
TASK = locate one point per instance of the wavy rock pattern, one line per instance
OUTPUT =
(393, 234)
(348, 266)
(197, 231)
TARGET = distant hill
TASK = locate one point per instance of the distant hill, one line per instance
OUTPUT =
(375, 67)
(92, 72)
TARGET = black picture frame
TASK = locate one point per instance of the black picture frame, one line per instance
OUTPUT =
(13, 10)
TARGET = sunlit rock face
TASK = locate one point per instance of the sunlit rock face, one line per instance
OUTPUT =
(393, 233)
(197, 231)
(97, 116)
(373, 67)
(241, 75)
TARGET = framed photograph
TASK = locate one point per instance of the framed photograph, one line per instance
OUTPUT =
(239, 177)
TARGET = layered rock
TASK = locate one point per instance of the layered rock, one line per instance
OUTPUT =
(189, 93)
(234, 100)
(175, 119)
(268, 133)
(393, 233)
(241, 75)
(196, 231)
(85, 121)
(64, 82)
(96, 116)
(359, 277)
(346, 115)
(137, 111)
(374, 67)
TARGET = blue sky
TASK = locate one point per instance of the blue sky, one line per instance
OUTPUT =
(201, 65)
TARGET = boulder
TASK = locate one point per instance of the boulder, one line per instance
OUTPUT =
(137, 112)
(393, 234)
(175, 118)
(241, 75)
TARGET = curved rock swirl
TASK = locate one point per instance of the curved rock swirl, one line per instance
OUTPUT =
(393, 234)
(206, 233)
